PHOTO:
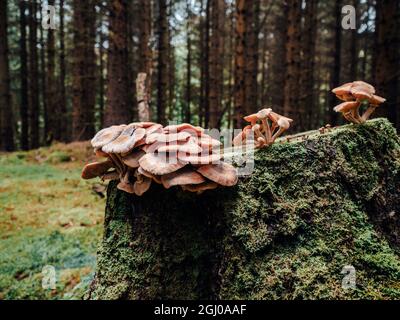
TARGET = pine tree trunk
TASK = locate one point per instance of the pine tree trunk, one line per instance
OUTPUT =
(308, 63)
(162, 68)
(278, 52)
(251, 54)
(53, 107)
(292, 78)
(387, 61)
(34, 134)
(239, 95)
(297, 232)
(64, 128)
(216, 61)
(187, 111)
(6, 115)
(335, 73)
(24, 107)
(83, 73)
(118, 110)
(45, 95)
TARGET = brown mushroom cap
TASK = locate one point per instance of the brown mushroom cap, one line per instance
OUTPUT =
(126, 141)
(241, 137)
(145, 173)
(223, 173)
(127, 187)
(284, 123)
(169, 137)
(143, 124)
(184, 127)
(376, 100)
(363, 86)
(111, 175)
(264, 113)
(346, 106)
(200, 159)
(252, 118)
(106, 135)
(159, 164)
(199, 188)
(190, 146)
(96, 169)
(182, 176)
(206, 141)
(361, 94)
(141, 185)
(344, 89)
(132, 159)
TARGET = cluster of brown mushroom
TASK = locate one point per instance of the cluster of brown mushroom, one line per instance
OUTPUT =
(265, 126)
(354, 94)
(177, 155)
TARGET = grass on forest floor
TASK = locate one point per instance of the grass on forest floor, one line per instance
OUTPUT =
(48, 216)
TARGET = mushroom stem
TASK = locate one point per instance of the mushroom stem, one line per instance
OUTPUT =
(368, 112)
(267, 129)
(277, 134)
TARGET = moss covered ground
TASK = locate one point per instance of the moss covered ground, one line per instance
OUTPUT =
(48, 216)
(311, 207)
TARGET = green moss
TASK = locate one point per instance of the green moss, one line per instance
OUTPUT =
(309, 208)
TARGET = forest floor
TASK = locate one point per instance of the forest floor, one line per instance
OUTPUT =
(49, 216)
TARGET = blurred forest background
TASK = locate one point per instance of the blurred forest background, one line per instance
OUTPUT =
(210, 61)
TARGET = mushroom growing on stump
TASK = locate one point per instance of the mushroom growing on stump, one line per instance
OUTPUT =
(266, 126)
(355, 94)
(177, 155)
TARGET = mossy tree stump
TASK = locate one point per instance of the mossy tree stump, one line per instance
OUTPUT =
(309, 209)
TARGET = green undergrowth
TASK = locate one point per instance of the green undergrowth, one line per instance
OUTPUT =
(49, 216)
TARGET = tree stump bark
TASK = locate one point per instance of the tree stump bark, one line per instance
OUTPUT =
(309, 209)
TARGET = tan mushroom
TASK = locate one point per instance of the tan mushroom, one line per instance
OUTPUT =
(132, 159)
(156, 178)
(223, 173)
(361, 92)
(141, 185)
(96, 169)
(200, 188)
(126, 141)
(106, 135)
(159, 164)
(181, 177)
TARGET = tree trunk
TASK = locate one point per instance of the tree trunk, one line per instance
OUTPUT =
(6, 114)
(278, 52)
(53, 107)
(47, 138)
(169, 244)
(292, 78)
(387, 62)
(162, 68)
(239, 95)
(335, 73)
(251, 54)
(187, 112)
(62, 103)
(145, 54)
(216, 61)
(24, 107)
(308, 63)
(118, 110)
(84, 66)
(34, 134)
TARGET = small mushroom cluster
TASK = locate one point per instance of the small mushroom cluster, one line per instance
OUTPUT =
(177, 155)
(266, 127)
(354, 94)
